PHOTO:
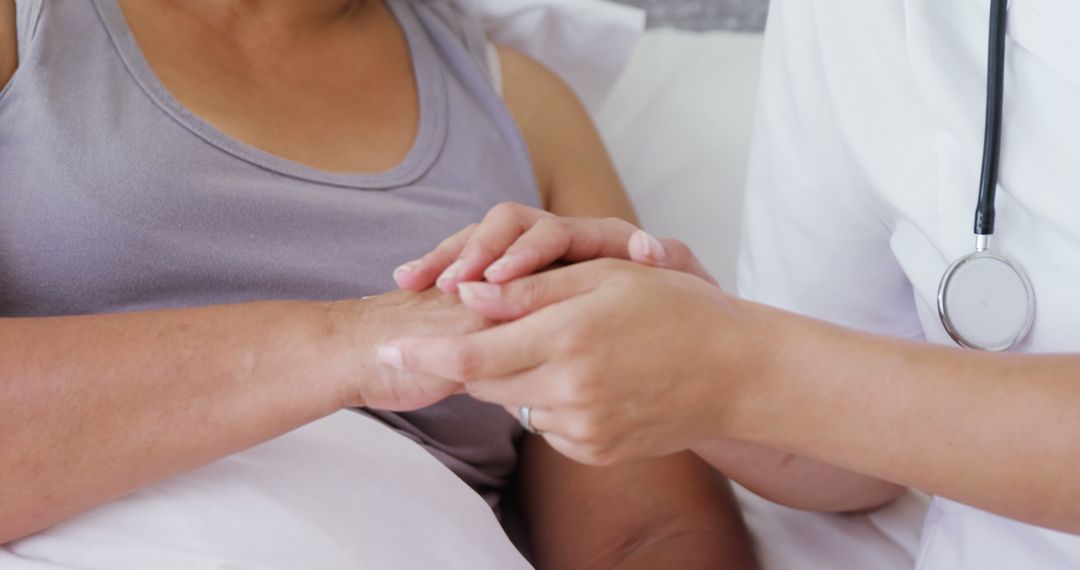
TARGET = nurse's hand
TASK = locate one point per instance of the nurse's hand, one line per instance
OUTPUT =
(618, 360)
(515, 240)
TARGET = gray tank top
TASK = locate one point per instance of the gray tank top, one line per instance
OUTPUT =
(115, 197)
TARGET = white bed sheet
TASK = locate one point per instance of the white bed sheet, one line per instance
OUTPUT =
(678, 125)
(343, 492)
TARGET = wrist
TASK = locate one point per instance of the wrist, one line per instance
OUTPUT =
(350, 349)
(770, 356)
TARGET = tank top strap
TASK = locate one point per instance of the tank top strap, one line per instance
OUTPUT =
(465, 26)
(27, 17)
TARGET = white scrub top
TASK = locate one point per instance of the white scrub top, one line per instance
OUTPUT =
(863, 184)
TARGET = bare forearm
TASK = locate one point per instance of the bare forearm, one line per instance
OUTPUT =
(796, 481)
(93, 407)
(999, 432)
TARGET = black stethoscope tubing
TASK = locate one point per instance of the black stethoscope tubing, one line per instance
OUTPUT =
(995, 99)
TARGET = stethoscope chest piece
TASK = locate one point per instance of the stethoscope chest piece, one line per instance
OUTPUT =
(986, 302)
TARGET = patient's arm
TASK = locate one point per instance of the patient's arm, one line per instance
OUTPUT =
(93, 407)
(671, 512)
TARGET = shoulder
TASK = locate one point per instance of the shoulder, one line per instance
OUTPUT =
(9, 51)
(536, 95)
(549, 114)
(537, 98)
(523, 74)
(573, 170)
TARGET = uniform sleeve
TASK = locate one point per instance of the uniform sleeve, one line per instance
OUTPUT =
(813, 242)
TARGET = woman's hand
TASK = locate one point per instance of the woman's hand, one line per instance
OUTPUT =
(514, 241)
(390, 316)
(618, 361)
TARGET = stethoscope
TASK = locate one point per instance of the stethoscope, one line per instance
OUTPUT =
(985, 300)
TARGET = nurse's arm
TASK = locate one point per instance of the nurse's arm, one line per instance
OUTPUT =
(1000, 432)
(795, 481)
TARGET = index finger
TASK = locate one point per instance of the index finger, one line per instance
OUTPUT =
(562, 239)
(420, 274)
(500, 228)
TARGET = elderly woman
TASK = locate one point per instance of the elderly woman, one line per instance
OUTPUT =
(199, 200)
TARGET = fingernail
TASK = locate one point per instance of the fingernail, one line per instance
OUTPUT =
(479, 291)
(451, 272)
(497, 268)
(406, 268)
(653, 248)
(390, 356)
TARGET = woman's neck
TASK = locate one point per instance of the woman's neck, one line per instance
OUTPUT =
(253, 18)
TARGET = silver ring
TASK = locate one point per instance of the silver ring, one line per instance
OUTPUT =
(525, 417)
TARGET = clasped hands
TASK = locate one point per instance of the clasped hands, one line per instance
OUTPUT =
(617, 354)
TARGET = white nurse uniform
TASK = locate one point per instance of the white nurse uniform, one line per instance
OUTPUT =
(864, 178)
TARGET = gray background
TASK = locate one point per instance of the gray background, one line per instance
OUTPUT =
(738, 15)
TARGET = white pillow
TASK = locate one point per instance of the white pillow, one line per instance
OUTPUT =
(343, 492)
(586, 42)
(678, 127)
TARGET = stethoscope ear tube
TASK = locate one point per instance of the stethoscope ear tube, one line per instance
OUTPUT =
(995, 101)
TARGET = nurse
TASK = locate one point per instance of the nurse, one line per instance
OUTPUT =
(830, 382)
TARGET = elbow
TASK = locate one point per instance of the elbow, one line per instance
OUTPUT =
(865, 496)
(11, 529)
(871, 497)
(22, 517)
(879, 496)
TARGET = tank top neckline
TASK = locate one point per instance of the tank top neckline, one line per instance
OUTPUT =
(430, 84)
